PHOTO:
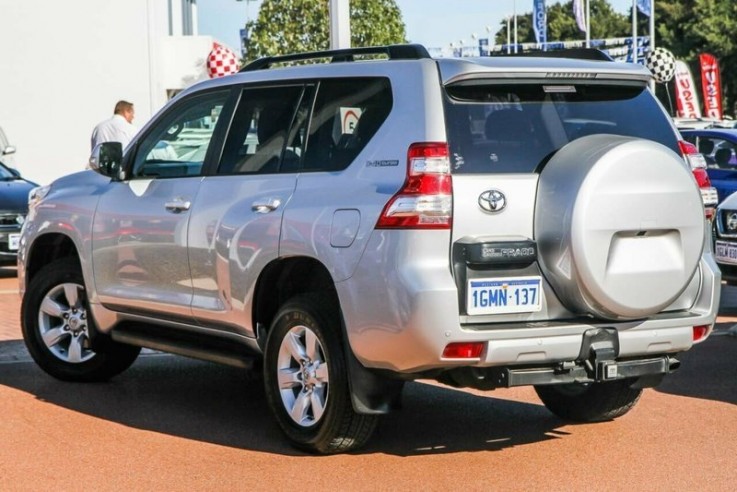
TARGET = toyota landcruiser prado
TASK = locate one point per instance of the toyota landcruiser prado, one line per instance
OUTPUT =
(487, 223)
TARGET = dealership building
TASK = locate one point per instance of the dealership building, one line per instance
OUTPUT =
(65, 64)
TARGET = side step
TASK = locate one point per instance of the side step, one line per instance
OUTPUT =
(221, 350)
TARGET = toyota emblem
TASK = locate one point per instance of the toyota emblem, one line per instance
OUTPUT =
(492, 201)
(732, 221)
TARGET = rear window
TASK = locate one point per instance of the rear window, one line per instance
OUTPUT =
(516, 128)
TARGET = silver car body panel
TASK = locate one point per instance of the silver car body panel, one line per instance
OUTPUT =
(138, 249)
(234, 234)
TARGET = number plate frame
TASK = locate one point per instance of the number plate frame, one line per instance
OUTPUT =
(480, 291)
(725, 252)
(13, 242)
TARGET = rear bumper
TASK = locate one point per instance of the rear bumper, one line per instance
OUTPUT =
(404, 324)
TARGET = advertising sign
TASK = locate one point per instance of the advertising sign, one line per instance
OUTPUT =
(539, 24)
(711, 84)
(687, 98)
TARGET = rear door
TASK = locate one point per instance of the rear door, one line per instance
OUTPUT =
(501, 135)
(139, 252)
(236, 218)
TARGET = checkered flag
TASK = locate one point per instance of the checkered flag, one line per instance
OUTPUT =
(221, 61)
(662, 64)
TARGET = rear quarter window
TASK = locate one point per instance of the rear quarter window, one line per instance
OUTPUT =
(516, 128)
(348, 113)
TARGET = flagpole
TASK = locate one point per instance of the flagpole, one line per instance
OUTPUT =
(652, 38)
(515, 26)
(634, 31)
(588, 25)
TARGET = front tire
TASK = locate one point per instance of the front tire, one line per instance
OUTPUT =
(305, 376)
(59, 331)
(591, 402)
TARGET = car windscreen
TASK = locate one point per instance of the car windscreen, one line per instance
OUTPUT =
(515, 128)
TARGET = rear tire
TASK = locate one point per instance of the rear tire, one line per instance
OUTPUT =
(59, 331)
(593, 402)
(305, 377)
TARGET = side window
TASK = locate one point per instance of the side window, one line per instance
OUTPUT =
(724, 154)
(178, 143)
(259, 140)
(347, 114)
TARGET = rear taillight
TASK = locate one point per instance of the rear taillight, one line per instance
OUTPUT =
(425, 201)
(697, 162)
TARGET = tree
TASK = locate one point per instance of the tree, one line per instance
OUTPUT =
(605, 23)
(293, 26)
(691, 27)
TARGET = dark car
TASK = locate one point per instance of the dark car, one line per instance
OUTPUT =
(718, 147)
(13, 209)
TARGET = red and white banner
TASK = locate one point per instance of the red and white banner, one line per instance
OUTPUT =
(687, 97)
(711, 84)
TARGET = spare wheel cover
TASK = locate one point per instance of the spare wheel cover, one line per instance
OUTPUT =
(620, 226)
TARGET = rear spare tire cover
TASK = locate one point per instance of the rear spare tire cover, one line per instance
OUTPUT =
(619, 224)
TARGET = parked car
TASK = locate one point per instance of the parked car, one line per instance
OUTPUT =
(718, 147)
(725, 236)
(14, 192)
(487, 223)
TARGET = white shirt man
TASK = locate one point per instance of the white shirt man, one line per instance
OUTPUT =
(116, 129)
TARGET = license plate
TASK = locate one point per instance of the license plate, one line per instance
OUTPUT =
(13, 241)
(726, 252)
(503, 295)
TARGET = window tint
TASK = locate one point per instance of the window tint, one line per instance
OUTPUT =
(719, 153)
(177, 145)
(348, 112)
(502, 128)
(258, 139)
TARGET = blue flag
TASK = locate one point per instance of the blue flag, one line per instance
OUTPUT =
(644, 6)
(539, 21)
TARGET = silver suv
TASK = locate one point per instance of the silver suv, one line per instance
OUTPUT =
(487, 223)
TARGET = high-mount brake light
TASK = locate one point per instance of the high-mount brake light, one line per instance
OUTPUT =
(425, 201)
(697, 162)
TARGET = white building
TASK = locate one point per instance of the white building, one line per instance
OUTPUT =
(63, 66)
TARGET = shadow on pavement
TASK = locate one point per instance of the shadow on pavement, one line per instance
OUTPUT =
(708, 370)
(8, 272)
(226, 406)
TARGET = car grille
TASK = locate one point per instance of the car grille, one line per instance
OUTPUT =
(12, 219)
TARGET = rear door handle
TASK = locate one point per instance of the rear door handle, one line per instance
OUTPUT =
(266, 206)
(177, 206)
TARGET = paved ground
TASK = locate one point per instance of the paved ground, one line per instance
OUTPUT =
(171, 423)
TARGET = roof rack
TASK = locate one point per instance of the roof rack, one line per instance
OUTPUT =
(394, 52)
(578, 53)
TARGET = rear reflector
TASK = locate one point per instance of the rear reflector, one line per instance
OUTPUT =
(463, 350)
(700, 332)
(425, 201)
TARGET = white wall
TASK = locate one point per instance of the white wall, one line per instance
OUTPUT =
(63, 65)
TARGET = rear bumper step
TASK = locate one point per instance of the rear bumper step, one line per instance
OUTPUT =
(648, 372)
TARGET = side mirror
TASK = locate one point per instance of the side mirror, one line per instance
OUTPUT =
(9, 150)
(107, 159)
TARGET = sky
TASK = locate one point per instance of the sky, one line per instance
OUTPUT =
(433, 23)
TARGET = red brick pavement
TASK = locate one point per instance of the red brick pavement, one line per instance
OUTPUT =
(10, 306)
